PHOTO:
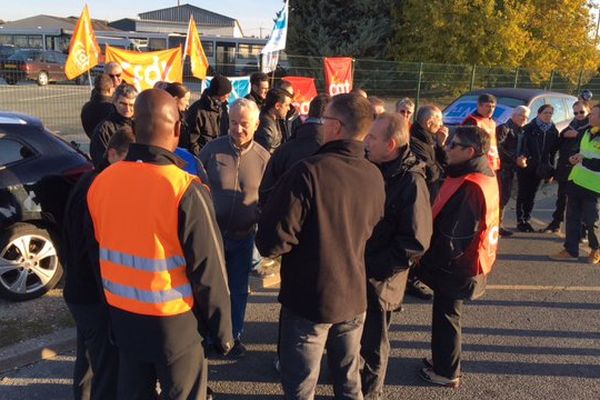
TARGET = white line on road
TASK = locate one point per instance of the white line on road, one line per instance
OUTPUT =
(45, 97)
(34, 381)
(540, 287)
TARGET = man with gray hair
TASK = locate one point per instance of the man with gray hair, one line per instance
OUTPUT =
(398, 240)
(405, 107)
(115, 72)
(508, 136)
(235, 165)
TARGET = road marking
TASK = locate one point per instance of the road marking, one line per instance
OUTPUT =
(34, 381)
(541, 287)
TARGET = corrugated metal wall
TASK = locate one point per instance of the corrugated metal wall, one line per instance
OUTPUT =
(182, 14)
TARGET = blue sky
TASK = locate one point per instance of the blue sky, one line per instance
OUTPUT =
(252, 14)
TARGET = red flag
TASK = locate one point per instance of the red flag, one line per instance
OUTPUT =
(304, 91)
(338, 75)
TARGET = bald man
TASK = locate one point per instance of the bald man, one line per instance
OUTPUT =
(161, 260)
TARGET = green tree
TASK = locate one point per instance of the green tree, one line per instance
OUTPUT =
(356, 28)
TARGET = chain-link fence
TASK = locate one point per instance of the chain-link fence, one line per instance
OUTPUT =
(58, 104)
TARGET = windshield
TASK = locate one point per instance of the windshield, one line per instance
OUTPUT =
(24, 55)
(6, 51)
(456, 112)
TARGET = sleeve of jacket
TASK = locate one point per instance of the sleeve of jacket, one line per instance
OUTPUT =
(194, 130)
(265, 134)
(470, 121)
(523, 148)
(282, 217)
(203, 249)
(268, 181)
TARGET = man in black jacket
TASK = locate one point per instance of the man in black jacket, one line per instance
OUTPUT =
(319, 223)
(509, 137)
(96, 364)
(309, 138)
(208, 117)
(99, 106)
(463, 247)
(123, 101)
(259, 86)
(400, 237)
(269, 134)
(163, 305)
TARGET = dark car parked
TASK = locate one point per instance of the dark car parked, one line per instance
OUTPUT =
(37, 171)
(42, 66)
(508, 99)
(6, 50)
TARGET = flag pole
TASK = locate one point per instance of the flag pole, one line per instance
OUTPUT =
(90, 79)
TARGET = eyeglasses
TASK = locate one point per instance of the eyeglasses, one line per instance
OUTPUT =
(451, 145)
(324, 117)
(114, 75)
(582, 112)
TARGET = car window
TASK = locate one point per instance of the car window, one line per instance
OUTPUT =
(456, 112)
(560, 110)
(569, 107)
(534, 106)
(12, 151)
(49, 58)
(24, 55)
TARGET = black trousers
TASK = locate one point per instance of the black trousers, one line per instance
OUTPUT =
(528, 185)
(184, 378)
(446, 336)
(561, 203)
(97, 361)
(505, 181)
(375, 347)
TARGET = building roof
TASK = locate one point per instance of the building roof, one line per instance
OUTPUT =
(50, 22)
(182, 14)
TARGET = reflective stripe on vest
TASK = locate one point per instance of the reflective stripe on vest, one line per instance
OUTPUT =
(483, 249)
(135, 210)
(488, 125)
(582, 176)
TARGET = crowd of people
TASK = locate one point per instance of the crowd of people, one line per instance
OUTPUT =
(184, 202)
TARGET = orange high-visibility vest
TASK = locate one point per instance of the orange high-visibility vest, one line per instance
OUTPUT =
(488, 125)
(483, 250)
(134, 207)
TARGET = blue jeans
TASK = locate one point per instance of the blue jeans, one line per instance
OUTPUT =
(582, 206)
(238, 257)
(256, 258)
(301, 348)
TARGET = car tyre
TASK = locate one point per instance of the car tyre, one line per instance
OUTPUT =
(42, 79)
(11, 81)
(29, 262)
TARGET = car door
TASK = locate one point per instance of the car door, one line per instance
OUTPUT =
(50, 65)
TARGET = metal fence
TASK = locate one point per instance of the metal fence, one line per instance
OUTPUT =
(59, 104)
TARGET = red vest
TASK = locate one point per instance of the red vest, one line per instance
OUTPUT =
(488, 125)
(483, 249)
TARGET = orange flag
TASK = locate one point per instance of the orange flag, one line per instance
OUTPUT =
(193, 48)
(83, 50)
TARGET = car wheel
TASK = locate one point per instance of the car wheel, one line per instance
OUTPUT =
(11, 81)
(42, 78)
(29, 264)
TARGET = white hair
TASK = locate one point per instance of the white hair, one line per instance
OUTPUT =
(521, 110)
(249, 105)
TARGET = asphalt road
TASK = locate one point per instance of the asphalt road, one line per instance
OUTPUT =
(534, 335)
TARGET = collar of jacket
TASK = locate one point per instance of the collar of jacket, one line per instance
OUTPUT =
(257, 99)
(418, 132)
(153, 155)
(477, 164)
(344, 147)
(236, 149)
(115, 117)
(209, 103)
(100, 98)
(406, 161)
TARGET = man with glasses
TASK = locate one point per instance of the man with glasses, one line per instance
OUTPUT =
(319, 218)
(509, 135)
(406, 108)
(463, 247)
(122, 115)
(115, 72)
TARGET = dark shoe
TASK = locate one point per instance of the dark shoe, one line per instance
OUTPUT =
(504, 232)
(553, 227)
(209, 394)
(428, 362)
(418, 289)
(525, 227)
(237, 351)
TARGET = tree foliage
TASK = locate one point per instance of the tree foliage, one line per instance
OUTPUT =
(543, 35)
(357, 28)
